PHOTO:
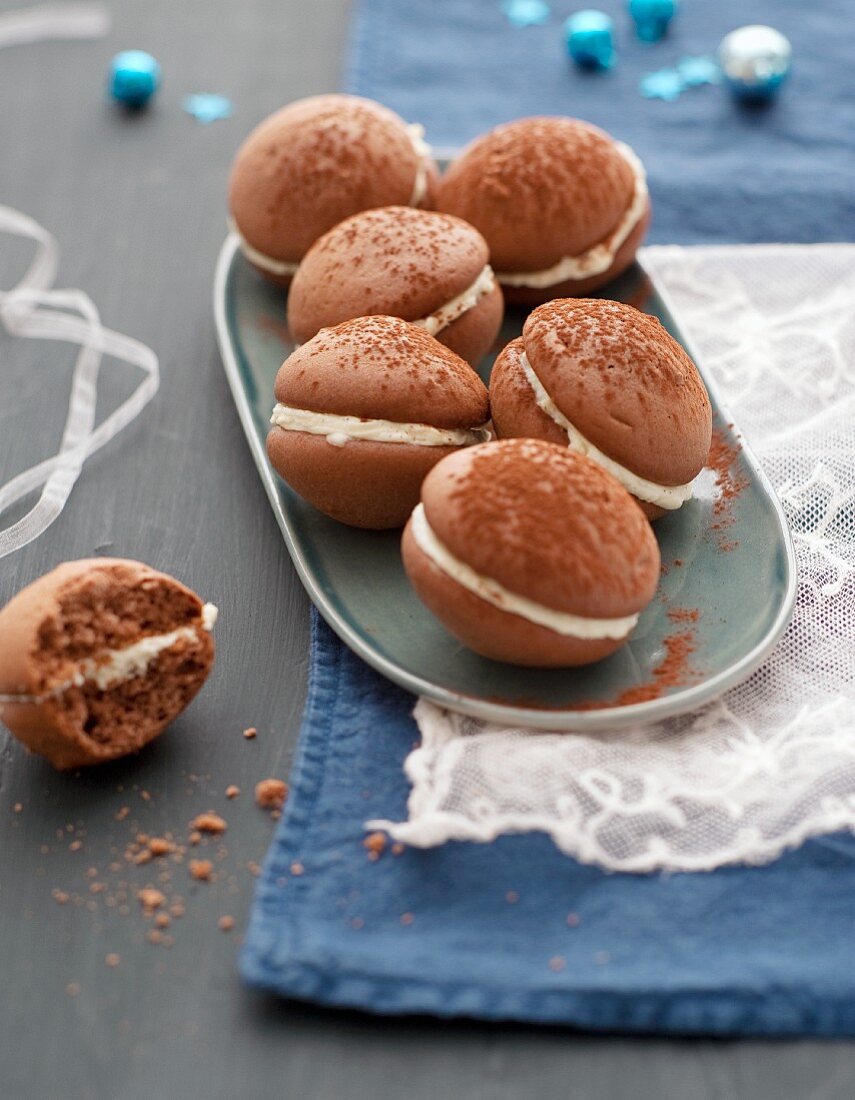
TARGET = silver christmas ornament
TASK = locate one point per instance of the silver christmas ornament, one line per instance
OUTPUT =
(755, 61)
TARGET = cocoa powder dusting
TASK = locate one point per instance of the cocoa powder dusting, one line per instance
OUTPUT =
(684, 614)
(672, 671)
(729, 483)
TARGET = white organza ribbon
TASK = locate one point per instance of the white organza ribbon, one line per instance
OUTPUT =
(35, 311)
(52, 21)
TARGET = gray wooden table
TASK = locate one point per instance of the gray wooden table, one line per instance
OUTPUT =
(137, 205)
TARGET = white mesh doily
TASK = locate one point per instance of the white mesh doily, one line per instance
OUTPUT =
(773, 761)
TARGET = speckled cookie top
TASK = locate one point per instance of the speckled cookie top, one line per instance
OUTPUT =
(395, 260)
(313, 163)
(624, 383)
(539, 189)
(547, 524)
(383, 368)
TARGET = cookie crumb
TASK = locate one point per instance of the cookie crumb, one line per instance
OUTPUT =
(375, 843)
(232, 791)
(150, 899)
(201, 869)
(112, 960)
(208, 822)
(250, 732)
(270, 794)
(226, 924)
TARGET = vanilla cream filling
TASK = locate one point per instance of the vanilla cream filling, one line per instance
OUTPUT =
(601, 256)
(260, 259)
(114, 666)
(340, 430)
(416, 134)
(561, 622)
(669, 497)
(462, 303)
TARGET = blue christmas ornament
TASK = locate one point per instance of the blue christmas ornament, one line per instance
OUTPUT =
(652, 17)
(755, 61)
(134, 77)
(589, 36)
(526, 13)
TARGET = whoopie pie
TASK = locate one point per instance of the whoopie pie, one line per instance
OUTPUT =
(562, 205)
(364, 410)
(98, 656)
(315, 162)
(608, 381)
(430, 269)
(530, 553)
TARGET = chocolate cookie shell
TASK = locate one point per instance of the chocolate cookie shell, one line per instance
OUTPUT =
(401, 262)
(316, 162)
(365, 410)
(89, 667)
(540, 523)
(545, 190)
(622, 382)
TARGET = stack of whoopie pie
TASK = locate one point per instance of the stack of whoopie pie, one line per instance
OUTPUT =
(527, 508)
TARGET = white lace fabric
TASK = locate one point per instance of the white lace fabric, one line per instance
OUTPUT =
(771, 762)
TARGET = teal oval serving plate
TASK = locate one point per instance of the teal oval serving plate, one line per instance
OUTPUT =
(725, 596)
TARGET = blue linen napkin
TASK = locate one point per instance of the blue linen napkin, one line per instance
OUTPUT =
(717, 172)
(515, 929)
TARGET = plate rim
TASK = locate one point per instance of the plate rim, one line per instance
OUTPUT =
(588, 721)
